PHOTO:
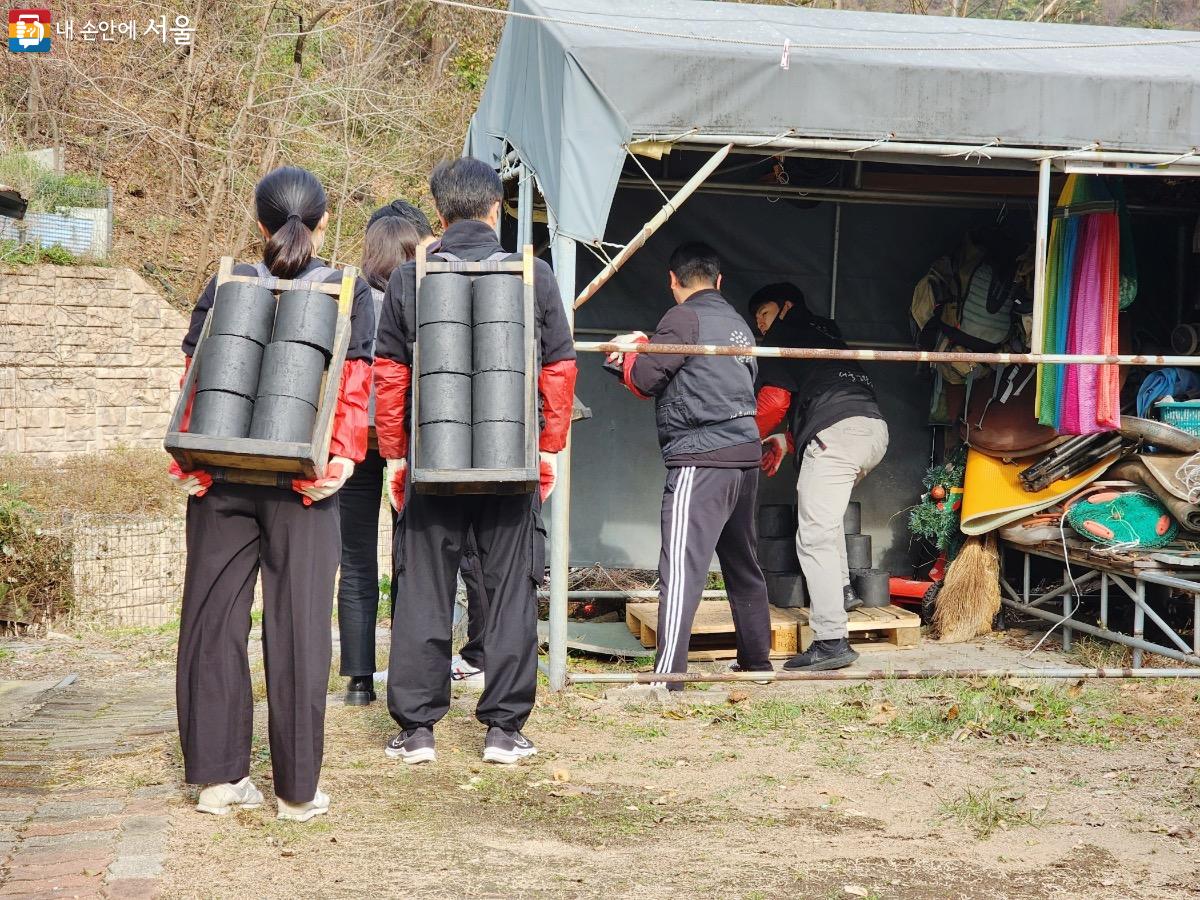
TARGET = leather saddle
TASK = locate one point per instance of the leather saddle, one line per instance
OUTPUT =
(1001, 416)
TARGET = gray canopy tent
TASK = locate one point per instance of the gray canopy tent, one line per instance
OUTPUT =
(579, 89)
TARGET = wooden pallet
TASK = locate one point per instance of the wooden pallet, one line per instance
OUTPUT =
(872, 629)
(712, 630)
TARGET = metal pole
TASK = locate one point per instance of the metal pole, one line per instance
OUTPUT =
(886, 355)
(652, 226)
(833, 266)
(627, 595)
(560, 523)
(1039, 260)
(871, 675)
(524, 206)
(1114, 636)
(946, 151)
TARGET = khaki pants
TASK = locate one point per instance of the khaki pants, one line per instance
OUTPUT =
(834, 461)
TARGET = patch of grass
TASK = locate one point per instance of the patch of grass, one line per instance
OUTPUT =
(937, 710)
(1093, 653)
(645, 732)
(114, 482)
(840, 760)
(6, 654)
(986, 811)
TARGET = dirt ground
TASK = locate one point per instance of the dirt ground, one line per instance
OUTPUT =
(894, 790)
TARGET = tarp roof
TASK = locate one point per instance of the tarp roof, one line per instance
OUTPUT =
(569, 96)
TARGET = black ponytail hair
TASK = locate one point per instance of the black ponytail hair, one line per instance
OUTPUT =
(289, 202)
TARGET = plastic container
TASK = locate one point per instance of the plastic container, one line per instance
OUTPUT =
(1184, 415)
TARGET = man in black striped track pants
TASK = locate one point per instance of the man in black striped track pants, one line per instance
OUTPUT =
(705, 409)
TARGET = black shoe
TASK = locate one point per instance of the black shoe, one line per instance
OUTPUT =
(822, 655)
(736, 667)
(851, 600)
(506, 747)
(412, 746)
(360, 690)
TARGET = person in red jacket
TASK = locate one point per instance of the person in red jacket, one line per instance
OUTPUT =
(432, 534)
(292, 535)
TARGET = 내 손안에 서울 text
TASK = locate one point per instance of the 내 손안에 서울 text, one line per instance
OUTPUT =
(29, 30)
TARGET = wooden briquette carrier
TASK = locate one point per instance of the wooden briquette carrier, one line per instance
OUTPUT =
(250, 461)
(481, 481)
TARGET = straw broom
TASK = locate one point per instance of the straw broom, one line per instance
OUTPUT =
(970, 594)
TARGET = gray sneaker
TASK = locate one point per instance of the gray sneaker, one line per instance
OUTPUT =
(506, 747)
(412, 746)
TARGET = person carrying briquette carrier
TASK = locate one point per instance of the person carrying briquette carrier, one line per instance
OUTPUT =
(838, 435)
(704, 406)
(433, 530)
(394, 235)
(292, 535)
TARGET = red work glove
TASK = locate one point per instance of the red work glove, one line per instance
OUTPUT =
(337, 470)
(397, 475)
(196, 482)
(775, 448)
(556, 387)
(773, 403)
(548, 472)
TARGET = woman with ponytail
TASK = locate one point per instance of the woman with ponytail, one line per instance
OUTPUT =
(291, 535)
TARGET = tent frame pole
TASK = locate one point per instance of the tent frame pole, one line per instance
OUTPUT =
(1037, 339)
(563, 249)
(652, 226)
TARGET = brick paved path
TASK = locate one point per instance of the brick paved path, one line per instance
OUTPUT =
(62, 841)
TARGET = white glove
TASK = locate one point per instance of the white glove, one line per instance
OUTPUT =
(394, 482)
(337, 471)
(619, 358)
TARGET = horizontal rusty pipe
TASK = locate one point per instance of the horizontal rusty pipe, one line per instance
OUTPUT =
(629, 595)
(870, 675)
(921, 356)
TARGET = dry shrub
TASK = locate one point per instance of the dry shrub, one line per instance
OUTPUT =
(37, 502)
(113, 482)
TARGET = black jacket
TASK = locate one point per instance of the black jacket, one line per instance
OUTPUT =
(471, 241)
(824, 391)
(703, 404)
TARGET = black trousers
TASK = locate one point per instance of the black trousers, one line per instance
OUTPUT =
(231, 532)
(706, 510)
(358, 586)
(427, 550)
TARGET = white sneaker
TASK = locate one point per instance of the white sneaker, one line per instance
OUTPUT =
(222, 799)
(302, 812)
(465, 674)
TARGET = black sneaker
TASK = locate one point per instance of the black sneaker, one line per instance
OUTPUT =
(736, 667)
(360, 690)
(412, 746)
(822, 655)
(506, 747)
(851, 600)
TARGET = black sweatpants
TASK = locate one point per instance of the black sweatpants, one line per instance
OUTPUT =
(706, 510)
(427, 550)
(231, 532)
(358, 587)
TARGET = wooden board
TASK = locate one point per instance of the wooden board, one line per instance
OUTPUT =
(712, 630)
(250, 461)
(872, 628)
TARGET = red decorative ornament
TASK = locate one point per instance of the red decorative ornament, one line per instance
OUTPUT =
(937, 492)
